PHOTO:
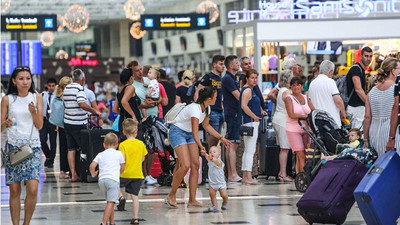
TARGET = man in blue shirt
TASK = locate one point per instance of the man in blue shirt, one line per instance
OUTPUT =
(230, 92)
(214, 79)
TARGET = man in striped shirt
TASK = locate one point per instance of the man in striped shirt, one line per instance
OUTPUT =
(75, 118)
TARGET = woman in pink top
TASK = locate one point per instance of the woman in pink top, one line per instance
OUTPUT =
(297, 107)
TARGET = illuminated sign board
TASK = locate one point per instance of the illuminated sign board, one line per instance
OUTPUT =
(314, 9)
(85, 50)
(82, 62)
(29, 23)
(9, 57)
(31, 55)
(175, 21)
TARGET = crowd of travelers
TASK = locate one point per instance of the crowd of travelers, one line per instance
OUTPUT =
(232, 97)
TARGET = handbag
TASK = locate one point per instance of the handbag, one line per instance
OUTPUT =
(246, 131)
(243, 129)
(57, 112)
(19, 154)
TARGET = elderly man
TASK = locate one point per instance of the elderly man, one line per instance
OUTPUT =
(75, 118)
(288, 64)
(325, 95)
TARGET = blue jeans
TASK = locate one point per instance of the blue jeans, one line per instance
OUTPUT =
(216, 120)
(178, 137)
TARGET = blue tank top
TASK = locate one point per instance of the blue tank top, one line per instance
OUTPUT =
(254, 105)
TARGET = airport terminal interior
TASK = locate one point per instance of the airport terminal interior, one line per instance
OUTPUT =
(54, 38)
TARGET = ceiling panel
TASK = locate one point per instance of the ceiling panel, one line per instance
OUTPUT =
(99, 10)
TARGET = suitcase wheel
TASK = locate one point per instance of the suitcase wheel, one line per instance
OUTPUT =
(302, 181)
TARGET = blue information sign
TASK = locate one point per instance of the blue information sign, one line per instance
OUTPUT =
(31, 55)
(9, 57)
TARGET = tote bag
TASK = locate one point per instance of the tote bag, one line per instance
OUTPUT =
(57, 112)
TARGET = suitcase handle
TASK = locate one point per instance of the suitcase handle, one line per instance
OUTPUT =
(92, 124)
(375, 169)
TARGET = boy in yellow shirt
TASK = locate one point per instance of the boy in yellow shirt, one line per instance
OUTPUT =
(132, 178)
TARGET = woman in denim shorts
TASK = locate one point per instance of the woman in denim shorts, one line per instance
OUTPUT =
(183, 136)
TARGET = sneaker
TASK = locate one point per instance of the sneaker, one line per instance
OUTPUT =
(152, 178)
(223, 207)
(148, 180)
(213, 209)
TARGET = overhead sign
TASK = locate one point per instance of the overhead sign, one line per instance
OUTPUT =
(82, 62)
(85, 50)
(29, 23)
(9, 57)
(31, 55)
(314, 9)
(175, 21)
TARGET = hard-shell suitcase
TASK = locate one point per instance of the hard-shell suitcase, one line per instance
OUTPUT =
(329, 197)
(378, 194)
(91, 144)
(156, 169)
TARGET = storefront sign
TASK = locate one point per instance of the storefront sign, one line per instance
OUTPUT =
(314, 9)
(29, 23)
(174, 21)
(82, 62)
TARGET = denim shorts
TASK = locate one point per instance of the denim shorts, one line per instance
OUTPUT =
(73, 134)
(178, 137)
(232, 126)
(111, 189)
(216, 120)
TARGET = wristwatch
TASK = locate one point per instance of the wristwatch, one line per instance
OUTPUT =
(391, 138)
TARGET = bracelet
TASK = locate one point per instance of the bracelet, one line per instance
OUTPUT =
(365, 139)
(220, 137)
(391, 138)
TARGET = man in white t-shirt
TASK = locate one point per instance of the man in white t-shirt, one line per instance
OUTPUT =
(325, 95)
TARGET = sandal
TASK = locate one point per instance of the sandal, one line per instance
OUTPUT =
(170, 205)
(121, 203)
(135, 221)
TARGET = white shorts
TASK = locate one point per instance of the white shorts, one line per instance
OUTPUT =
(111, 189)
(281, 137)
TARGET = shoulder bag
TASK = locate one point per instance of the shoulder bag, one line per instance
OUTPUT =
(243, 129)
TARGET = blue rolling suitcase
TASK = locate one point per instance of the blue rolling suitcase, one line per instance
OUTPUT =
(378, 194)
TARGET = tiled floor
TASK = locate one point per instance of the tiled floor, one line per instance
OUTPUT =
(62, 202)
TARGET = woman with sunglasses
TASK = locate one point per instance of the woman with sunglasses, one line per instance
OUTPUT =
(22, 116)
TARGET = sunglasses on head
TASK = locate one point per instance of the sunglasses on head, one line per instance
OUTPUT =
(22, 68)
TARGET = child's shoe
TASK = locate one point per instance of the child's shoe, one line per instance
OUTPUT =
(213, 208)
(223, 207)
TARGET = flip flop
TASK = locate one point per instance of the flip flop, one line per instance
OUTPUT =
(166, 200)
(200, 205)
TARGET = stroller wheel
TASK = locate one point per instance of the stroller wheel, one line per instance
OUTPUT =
(302, 181)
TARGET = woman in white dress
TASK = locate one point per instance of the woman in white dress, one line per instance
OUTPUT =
(279, 124)
(378, 107)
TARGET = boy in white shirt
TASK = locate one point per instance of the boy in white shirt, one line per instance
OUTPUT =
(111, 164)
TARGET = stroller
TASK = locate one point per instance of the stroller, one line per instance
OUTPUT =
(165, 153)
(325, 135)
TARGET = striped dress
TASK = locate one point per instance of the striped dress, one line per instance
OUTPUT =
(381, 103)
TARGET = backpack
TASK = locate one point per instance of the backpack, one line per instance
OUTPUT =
(341, 84)
(173, 112)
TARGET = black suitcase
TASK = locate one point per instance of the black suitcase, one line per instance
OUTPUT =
(91, 144)
(269, 154)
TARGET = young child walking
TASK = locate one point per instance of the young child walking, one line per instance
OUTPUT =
(111, 163)
(216, 178)
(131, 179)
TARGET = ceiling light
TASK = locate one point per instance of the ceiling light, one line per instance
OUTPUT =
(47, 38)
(76, 18)
(136, 32)
(5, 5)
(133, 9)
(208, 7)
(61, 54)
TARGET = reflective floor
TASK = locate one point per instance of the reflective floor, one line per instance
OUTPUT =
(63, 202)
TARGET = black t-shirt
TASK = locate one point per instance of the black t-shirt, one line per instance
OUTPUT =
(182, 92)
(355, 70)
(171, 93)
(214, 80)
